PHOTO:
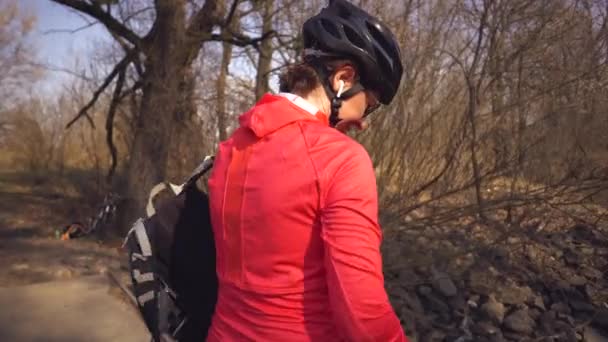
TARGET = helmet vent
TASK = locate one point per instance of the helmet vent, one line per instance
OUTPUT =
(378, 36)
(330, 28)
(353, 37)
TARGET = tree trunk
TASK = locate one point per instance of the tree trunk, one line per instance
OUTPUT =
(165, 73)
(222, 113)
(265, 58)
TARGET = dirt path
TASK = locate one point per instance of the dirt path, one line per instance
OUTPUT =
(53, 290)
(81, 309)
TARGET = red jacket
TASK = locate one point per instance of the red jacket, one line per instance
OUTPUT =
(294, 211)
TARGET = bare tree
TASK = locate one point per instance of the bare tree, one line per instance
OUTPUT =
(16, 55)
(265, 51)
(163, 56)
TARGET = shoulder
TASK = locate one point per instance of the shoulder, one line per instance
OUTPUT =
(334, 153)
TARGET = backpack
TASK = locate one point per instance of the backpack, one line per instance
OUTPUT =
(171, 255)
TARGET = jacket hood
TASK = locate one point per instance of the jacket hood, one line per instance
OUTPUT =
(272, 112)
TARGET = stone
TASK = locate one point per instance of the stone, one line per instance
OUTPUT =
(566, 332)
(432, 301)
(513, 240)
(457, 304)
(571, 258)
(64, 273)
(513, 295)
(20, 267)
(539, 303)
(473, 301)
(482, 282)
(591, 273)
(577, 280)
(601, 318)
(406, 276)
(560, 307)
(581, 306)
(485, 328)
(444, 284)
(493, 310)
(592, 335)
(535, 313)
(547, 321)
(433, 336)
(412, 301)
(520, 322)
(424, 290)
(566, 318)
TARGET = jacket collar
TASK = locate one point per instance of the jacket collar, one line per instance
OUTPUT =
(272, 112)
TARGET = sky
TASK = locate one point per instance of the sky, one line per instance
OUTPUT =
(60, 49)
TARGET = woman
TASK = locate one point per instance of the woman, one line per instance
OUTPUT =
(293, 199)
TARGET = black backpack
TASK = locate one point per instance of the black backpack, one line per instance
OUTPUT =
(172, 262)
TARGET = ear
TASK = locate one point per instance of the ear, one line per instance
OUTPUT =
(345, 73)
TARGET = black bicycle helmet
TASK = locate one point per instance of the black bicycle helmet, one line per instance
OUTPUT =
(343, 30)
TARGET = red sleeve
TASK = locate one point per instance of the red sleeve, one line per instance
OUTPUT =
(353, 262)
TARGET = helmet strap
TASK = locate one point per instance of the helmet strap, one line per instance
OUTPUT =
(336, 99)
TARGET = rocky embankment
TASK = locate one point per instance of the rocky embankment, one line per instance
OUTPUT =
(472, 283)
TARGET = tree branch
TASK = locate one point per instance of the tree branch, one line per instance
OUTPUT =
(233, 7)
(94, 10)
(110, 121)
(203, 21)
(239, 39)
(120, 67)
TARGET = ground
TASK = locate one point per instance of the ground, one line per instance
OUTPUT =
(540, 278)
(53, 290)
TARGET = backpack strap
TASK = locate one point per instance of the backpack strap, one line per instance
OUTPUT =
(200, 170)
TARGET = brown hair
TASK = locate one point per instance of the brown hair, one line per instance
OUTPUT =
(301, 78)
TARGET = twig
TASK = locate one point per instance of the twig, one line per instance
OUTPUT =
(95, 11)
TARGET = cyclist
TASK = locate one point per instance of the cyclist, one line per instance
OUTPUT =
(293, 200)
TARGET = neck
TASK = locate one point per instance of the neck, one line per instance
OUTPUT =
(318, 98)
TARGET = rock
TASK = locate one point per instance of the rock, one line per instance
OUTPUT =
(591, 273)
(64, 273)
(571, 258)
(535, 313)
(513, 240)
(433, 336)
(532, 253)
(513, 294)
(20, 267)
(412, 301)
(566, 318)
(457, 304)
(520, 322)
(493, 310)
(592, 335)
(547, 321)
(565, 331)
(444, 284)
(577, 280)
(405, 276)
(601, 318)
(424, 290)
(560, 308)
(581, 306)
(539, 303)
(485, 328)
(473, 301)
(482, 282)
(433, 302)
